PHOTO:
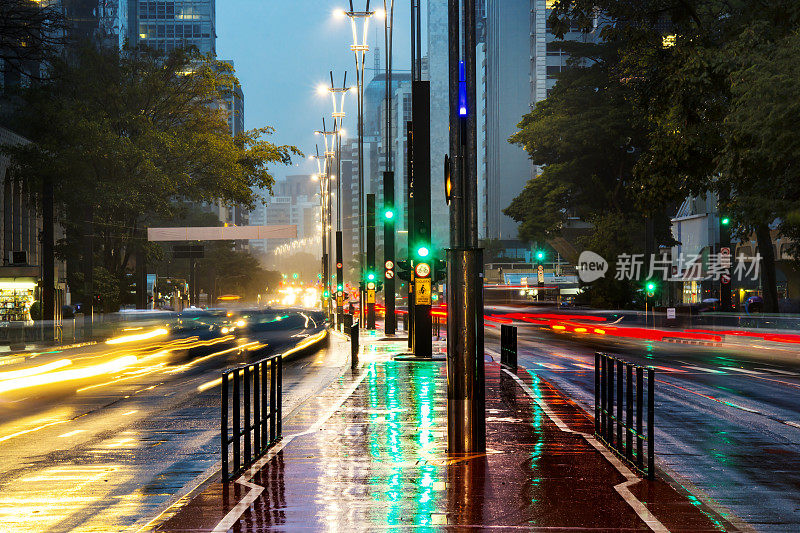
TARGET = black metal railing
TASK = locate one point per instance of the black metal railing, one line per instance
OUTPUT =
(619, 410)
(508, 346)
(251, 413)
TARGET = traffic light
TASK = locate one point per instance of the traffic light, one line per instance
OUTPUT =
(725, 221)
(294, 276)
(388, 215)
(326, 294)
(651, 287)
(339, 287)
(371, 276)
(404, 270)
(439, 270)
(540, 256)
(448, 183)
(423, 251)
(379, 286)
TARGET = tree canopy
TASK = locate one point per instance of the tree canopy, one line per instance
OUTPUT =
(130, 136)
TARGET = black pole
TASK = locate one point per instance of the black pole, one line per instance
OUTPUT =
(48, 257)
(371, 273)
(420, 241)
(388, 251)
(88, 273)
(339, 275)
(410, 227)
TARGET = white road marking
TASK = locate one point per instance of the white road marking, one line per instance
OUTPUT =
(623, 489)
(700, 368)
(793, 424)
(743, 370)
(785, 372)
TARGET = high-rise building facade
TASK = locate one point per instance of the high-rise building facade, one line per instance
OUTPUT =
(166, 25)
(523, 61)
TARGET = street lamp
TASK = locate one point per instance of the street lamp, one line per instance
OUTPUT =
(360, 48)
(337, 99)
(323, 174)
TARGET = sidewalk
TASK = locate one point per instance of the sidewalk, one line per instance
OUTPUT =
(369, 454)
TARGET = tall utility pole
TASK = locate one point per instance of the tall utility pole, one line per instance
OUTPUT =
(410, 222)
(360, 48)
(389, 217)
(337, 98)
(466, 425)
(389, 214)
(372, 276)
(420, 241)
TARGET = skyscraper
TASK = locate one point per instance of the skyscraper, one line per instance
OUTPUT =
(522, 63)
(166, 25)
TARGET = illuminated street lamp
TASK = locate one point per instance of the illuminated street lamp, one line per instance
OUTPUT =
(360, 48)
(337, 98)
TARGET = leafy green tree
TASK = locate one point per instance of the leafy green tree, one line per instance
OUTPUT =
(696, 71)
(127, 137)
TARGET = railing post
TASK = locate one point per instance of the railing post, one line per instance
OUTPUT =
(256, 410)
(603, 396)
(597, 407)
(224, 427)
(354, 345)
(247, 431)
(503, 344)
(265, 404)
(512, 347)
(639, 396)
(610, 370)
(620, 442)
(279, 415)
(273, 401)
(237, 429)
(650, 428)
(629, 413)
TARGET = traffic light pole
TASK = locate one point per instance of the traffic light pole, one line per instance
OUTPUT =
(388, 251)
(372, 278)
(466, 417)
(339, 278)
(410, 226)
(420, 240)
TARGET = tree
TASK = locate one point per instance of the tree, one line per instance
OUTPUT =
(700, 94)
(30, 32)
(129, 136)
(588, 141)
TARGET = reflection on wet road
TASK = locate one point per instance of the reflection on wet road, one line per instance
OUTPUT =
(727, 426)
(100, 438)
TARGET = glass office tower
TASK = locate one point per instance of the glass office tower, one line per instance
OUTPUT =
(165, 25)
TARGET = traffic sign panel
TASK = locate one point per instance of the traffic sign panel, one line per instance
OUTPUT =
(725, 279)
(422, 293)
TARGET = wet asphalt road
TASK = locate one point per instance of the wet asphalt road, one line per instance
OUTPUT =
(727, 425)
(110, 455)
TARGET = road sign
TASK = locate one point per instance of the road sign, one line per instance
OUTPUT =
(339, 299)
(725, 257)
(371, 296)
(389, 265)
(670, 313)
(725, 279)
(389, 274)
(422, 294)
(423, 270)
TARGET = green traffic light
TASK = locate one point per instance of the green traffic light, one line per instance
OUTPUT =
(294, 275)
(539, 255)
(326, 294)
(338, 287)
(370, 276)
(388, 214)
(422, 251)
(725, 221)
(651, 286)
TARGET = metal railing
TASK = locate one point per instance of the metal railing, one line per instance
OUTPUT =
(618, 410)
(252, 402)
(508, 346)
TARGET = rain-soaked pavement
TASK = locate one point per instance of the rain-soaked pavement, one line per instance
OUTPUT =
(115, 452)
(727, 426)
(370, 454)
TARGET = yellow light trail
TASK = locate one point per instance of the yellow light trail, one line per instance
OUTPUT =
(67, 375)
(25, 372)
(138, 337)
